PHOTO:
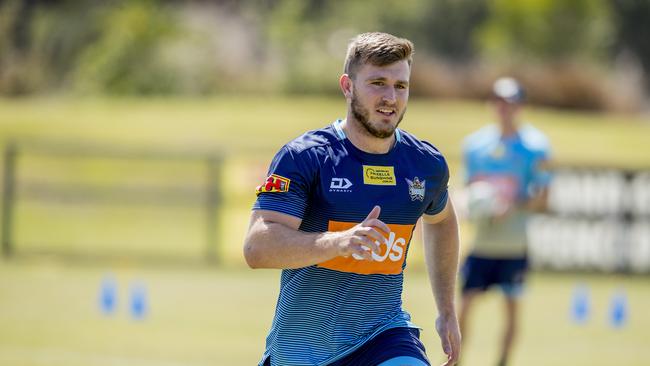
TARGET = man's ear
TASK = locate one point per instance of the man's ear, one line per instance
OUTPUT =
(346, 84)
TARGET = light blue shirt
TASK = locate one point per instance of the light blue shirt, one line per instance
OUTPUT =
(515, 165)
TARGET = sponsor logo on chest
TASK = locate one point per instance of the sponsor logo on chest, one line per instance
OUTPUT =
(340, 185)
(379, 175)
(389, 261)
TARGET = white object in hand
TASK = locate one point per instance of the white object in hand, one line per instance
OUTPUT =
(483, 200)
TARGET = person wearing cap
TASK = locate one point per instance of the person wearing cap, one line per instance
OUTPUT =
(507, 178)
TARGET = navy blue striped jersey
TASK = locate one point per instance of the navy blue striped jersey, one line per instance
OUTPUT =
(326, 311)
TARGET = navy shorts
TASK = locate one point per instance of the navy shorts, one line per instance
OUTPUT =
(481, 273)
(391, 343)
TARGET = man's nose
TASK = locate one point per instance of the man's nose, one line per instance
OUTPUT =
(389, 95)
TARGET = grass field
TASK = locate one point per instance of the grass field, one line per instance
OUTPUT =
(248, 130)
(260, 124)
(202, 315)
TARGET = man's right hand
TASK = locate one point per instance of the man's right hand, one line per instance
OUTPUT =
(363, 239)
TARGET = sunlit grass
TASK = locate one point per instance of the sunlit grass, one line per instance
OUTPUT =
(205, 316)
(248, 130)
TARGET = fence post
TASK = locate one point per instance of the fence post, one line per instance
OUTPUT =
(8, 198)
(212, 201)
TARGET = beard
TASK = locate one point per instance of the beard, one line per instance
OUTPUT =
(362, 115)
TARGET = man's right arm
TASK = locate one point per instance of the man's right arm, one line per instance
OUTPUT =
(275, 241)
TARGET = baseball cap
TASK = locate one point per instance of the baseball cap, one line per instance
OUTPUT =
(509, 90)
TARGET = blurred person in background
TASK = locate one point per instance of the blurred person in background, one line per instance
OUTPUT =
(507, 178)
(337, 213)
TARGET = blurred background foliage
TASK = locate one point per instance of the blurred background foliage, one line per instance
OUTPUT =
(586, 54)
(102, 103)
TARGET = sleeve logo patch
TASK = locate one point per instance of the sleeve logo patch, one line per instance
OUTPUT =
(379, 175)
(274, 183)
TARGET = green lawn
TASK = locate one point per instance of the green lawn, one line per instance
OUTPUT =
(201, 316)
(248, 130)
(246, 124)
(207, 316)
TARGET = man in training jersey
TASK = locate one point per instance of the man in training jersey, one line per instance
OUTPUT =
(507, 177)
(337, 213)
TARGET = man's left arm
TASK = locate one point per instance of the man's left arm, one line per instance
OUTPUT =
(441, 250)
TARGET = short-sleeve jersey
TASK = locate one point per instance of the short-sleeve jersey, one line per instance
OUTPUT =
(515, 166)
(326, 311)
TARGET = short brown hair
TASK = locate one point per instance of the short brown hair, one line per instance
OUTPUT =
(376, 48)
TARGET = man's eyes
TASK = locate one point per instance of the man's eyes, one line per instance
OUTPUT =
(382, 83)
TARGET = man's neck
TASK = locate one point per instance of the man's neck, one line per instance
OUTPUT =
(363, 140)
(508, 128)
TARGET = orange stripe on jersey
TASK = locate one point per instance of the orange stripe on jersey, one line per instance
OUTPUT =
(388, 261)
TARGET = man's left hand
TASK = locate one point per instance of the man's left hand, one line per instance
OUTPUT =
(449, 331)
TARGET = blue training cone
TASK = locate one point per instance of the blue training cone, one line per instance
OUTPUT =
(580, 304)
(618, 309)
(108, 295)
(139, 305)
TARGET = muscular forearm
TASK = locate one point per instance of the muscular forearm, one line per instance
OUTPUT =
(275, 245)
(441, 247)
(275, 241)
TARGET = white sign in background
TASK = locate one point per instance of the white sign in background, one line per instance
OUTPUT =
(598, 220)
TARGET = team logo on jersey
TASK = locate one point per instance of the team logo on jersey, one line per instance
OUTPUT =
(499, 151)
(389, 261)
(274, 183)
(340, 185)
(379, 175)
(416, 188)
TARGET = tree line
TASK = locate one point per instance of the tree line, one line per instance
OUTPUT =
(589, 54)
